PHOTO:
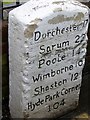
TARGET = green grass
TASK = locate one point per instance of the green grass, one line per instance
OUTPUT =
(5, 3)
(9, 2)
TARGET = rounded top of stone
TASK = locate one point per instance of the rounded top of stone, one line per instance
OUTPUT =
(39, 9)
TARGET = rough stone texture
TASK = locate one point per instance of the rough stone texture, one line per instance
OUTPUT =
(47, 41)
(85, 2)
(23, 1)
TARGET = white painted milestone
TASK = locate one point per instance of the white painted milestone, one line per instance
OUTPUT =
(47, 48)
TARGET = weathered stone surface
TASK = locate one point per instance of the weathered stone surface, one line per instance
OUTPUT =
(86, 2)
(47, 48)
(23, 1)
